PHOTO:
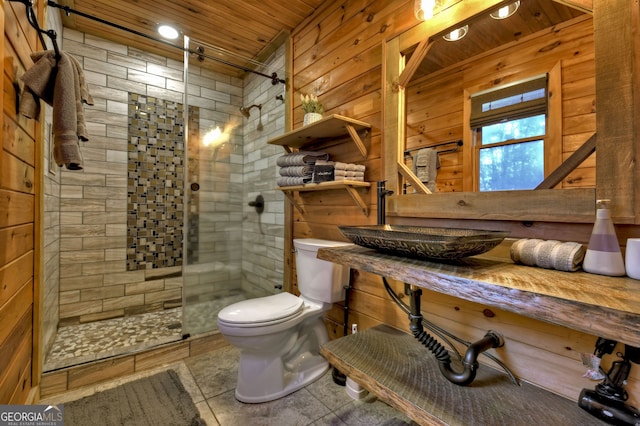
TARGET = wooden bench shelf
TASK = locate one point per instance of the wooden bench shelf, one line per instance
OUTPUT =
(399, 370)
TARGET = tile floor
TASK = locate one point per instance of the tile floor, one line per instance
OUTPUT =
(210, 379)
(80, 343)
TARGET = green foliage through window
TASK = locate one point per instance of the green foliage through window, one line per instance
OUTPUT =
(512, 167)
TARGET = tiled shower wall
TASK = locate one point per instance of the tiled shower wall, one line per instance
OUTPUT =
(94, 280)
(263, 235)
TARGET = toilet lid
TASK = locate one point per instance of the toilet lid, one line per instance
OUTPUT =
(262, 309)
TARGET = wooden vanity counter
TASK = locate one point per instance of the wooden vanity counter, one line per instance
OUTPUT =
(599, 305)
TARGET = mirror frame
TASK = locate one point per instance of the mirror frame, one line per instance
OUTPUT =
(617, 95)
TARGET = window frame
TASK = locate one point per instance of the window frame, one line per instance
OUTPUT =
(478, 146)
(553, 148)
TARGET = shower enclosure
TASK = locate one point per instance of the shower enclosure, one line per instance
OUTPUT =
(157, 226)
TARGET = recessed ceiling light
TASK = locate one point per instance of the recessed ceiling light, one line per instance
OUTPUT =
(456, 34)
(167, 31)
(506, 11)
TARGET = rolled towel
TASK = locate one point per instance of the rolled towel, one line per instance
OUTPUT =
(568, 256)
(301, 158)
(543, 253)
(522, 251)
(296, 171)
(359, 167)
(549, 254)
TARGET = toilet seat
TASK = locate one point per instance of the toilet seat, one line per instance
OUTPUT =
(262, 311)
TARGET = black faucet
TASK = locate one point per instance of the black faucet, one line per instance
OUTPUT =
(382, 193)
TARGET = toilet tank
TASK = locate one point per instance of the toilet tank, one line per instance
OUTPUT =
(319, 279)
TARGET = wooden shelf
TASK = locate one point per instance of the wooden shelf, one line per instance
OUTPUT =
(603, 306)
(402, 372)
(348, 185)
(330, 127)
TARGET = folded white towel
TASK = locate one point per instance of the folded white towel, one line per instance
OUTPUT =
(340, 166)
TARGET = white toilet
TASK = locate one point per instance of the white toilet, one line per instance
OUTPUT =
(279, 336)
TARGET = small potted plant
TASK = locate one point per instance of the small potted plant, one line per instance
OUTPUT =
(312, 107)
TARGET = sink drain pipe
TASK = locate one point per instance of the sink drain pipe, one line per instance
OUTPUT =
(470, 360)
(470, 363)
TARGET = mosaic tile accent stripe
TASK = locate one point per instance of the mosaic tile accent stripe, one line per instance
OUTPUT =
(155, 183)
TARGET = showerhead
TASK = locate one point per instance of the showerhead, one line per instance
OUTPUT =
(246, 111)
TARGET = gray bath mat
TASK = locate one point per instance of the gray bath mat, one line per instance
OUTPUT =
(155, 401)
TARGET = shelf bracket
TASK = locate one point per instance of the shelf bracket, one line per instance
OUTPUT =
(291, 197)
(356, 139)
(358, 199)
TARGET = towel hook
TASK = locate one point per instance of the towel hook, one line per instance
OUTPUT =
(33, 21)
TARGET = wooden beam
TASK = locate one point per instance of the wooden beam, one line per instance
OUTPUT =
(570, 164)
(583, 5)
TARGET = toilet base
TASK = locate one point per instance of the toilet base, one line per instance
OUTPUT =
(274, 379)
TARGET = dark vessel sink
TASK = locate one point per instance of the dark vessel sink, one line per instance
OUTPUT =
(424, 242)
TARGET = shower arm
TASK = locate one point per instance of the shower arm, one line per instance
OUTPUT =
(246, 111)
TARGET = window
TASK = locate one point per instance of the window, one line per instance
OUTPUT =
(509, 126)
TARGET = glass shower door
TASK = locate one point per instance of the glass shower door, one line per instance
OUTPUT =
(212, 268)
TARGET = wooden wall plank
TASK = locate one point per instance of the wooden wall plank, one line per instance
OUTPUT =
(15, 242)
(15, 208)
(15, 353)
(17, 212)
(14, 309)
(18, 142)
(17, 175)
(14, 275)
